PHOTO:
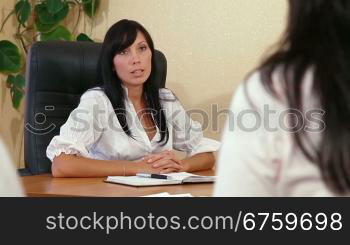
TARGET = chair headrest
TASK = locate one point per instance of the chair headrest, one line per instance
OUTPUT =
(63, 66)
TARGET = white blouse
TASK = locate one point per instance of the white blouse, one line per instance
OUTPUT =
(258, 156)
(93, 131)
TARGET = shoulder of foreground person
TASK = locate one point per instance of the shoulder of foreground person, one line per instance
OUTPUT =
(10, 185)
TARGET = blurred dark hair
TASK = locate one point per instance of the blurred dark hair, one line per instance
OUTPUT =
(119, 37)
(318, 38)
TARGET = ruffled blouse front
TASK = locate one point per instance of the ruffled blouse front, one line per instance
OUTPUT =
(93, 131)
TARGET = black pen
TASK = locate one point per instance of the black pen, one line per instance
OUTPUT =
(155, 176)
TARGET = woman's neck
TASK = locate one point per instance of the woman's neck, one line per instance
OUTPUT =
(135, 94)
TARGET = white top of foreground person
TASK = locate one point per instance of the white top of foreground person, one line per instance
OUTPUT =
(258, 156)
(10, 185)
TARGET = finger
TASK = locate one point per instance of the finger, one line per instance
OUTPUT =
(172, 156)
(171, 165)
(162, 153)
(178, 161)
(154, 158)
(148, 157)
(161, 162)
(166, 155)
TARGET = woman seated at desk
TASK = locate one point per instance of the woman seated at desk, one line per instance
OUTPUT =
(146, 126)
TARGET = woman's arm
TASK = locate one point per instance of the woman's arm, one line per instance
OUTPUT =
(66, 165)
(200, 161)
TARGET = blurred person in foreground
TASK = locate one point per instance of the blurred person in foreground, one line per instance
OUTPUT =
(302, 147)
(10, 185)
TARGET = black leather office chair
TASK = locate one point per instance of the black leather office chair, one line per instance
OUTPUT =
(58, 73)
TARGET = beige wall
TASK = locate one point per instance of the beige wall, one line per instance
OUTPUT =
(210, 46)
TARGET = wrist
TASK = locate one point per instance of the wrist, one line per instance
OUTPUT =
(128, 168)
(185, 166)
(133, 168)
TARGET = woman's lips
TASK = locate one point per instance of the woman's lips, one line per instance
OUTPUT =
(138, 72)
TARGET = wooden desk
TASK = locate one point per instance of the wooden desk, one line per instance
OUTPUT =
(46, 185)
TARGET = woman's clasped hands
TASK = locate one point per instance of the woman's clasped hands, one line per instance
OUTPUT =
(162, 163)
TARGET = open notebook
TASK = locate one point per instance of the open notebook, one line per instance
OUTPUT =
(166, 194)
(176, 178)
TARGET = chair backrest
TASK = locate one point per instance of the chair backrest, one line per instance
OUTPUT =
(58, 73)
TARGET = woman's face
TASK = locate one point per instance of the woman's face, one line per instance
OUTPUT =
(133, 65)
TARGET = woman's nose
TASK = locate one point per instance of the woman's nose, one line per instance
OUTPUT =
(135, 57)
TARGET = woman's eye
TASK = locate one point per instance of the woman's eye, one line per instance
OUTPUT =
(123, 52)
(143, 48)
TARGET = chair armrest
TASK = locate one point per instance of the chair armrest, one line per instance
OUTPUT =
(24, 172)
